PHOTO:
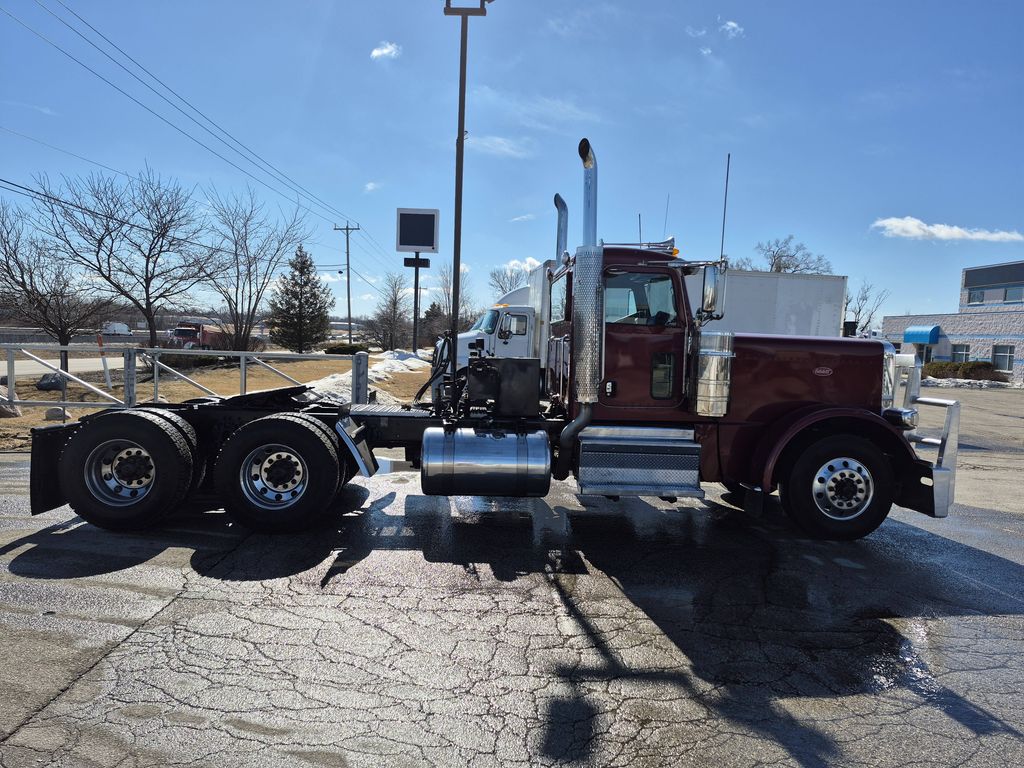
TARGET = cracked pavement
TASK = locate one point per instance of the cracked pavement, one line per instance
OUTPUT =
(415, 630)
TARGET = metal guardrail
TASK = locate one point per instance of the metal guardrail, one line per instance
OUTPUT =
(131, 357)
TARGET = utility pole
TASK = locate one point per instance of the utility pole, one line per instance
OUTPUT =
(460, 146)
(347, 229)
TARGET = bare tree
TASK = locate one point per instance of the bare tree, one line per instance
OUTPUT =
(505, 279)
(139, 237)
(864, 305)
(389, 327)
(39, 289)
(248, 250)
(442, 295)
(786, 256)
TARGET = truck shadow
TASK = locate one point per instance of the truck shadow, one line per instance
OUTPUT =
(765, 623)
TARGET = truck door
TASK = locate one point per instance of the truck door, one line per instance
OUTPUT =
(514, 333)
(644, 341)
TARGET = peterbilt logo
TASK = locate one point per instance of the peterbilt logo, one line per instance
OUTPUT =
(822, 370)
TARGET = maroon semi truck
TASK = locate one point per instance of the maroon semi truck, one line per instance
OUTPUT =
(634, 399)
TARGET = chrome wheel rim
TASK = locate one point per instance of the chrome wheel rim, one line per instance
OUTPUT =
(842, 488)
(119, 473)
(273, 476)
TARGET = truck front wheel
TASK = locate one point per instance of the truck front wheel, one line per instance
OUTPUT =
(839, 488)
(277, 474)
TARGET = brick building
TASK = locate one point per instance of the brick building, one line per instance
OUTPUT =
(989, 325)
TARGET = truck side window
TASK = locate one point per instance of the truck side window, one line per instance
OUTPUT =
(517, 325)
(639, 298)
(559, 306)
(663, 368)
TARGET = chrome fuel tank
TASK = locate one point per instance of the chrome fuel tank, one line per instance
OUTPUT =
(470, 462)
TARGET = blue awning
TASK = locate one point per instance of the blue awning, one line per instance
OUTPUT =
(921, 334)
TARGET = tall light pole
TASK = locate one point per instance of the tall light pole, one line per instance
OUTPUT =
(460, 147)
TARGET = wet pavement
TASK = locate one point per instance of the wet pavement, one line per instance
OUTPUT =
(570, 630)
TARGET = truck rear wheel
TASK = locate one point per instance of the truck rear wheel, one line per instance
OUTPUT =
(838, 488)
(278, 474)
(126, 470)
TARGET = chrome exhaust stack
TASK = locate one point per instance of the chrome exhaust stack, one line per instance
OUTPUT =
(587, 315)
(587, 299)
(562, 238)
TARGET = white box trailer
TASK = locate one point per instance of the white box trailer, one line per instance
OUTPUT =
(779, 303)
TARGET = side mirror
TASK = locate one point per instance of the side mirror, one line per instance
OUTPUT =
(505, 331)
(709, 296)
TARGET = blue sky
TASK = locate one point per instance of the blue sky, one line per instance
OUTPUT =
(838, 116)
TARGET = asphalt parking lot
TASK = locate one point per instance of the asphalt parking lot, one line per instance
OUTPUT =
(432, 631)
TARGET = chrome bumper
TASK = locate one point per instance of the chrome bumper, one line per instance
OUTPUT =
(940, 474)
(943, 470)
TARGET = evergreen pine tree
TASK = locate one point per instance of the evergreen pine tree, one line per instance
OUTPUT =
(299, 306)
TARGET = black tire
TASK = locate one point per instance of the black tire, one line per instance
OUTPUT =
(189, 433)
(291, 473)
(838, 488)
(107, 498)
(345, 463)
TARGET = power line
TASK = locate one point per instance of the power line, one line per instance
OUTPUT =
(19, 189)
(159, 116)
(64, 151)
(254, 157)
(260, 162)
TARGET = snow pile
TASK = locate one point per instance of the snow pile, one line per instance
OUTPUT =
(389, 363)
(929, 381)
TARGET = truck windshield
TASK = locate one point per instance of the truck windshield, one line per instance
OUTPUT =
(487, 322)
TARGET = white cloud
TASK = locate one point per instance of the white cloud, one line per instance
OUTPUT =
(371, 186)
(526, 265)
(704, 51)
(332, 277)
(696, 32)
(464, 268)
(499, 146)
(44, 110)
(524, 217)
(386, 50)
(731, 30)
(539, 112)
(915, 229)
(366, 296)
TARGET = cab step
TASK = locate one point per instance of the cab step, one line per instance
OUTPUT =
(639, 461)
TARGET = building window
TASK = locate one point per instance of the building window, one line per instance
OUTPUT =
(1014, 294)
(975, 297)
(1002, 358)
(961, 353)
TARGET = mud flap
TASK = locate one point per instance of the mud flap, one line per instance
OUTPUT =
(353, 437)
(918, 492)
(45, 492)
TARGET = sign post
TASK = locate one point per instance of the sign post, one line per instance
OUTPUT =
(416, 231)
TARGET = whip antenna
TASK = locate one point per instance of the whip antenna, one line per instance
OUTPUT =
(725, 206)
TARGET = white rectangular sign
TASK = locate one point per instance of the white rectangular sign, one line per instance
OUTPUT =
(416, 230)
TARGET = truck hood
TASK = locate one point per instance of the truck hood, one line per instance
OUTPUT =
(769, 372)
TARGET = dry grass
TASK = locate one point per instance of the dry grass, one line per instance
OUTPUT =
(14, 433)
